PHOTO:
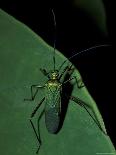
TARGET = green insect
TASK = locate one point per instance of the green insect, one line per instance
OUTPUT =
(53, 92)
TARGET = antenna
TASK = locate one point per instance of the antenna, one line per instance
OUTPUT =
(54, 18)
(88, 49)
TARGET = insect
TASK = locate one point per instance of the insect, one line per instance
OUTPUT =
(53, 91)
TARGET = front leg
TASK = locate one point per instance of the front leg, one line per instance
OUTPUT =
(45, 73)
(33, 94)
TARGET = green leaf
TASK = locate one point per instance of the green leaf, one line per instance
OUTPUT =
(22, 53)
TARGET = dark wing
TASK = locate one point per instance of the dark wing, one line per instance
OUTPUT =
(53, 110)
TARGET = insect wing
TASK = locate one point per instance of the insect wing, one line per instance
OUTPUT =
(53, 109)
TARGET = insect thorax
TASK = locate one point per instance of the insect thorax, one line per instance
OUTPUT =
(53, 83)
(53, 90)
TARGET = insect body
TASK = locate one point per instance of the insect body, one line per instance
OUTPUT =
(52, 99)
(53, 90)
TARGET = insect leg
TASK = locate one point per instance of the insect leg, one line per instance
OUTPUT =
(45, 73)
(35, 110)
(39, 129)
(79, 82)
(66, 69)
(33, 94)
(37, 134)
(98, 118)
(68, 80)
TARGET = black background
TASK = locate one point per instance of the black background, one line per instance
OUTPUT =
(75, 32)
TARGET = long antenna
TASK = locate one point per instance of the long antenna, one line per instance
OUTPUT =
(54, 18)
(88, 49)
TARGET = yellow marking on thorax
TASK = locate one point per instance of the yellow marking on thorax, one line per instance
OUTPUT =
(53, 83)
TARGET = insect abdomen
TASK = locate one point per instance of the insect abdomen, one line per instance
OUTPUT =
(52, 120)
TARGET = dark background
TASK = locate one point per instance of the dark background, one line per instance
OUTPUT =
(75, 32)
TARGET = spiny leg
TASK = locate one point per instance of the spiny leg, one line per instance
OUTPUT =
(32, 124)
(33, 94)
(97, 120)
